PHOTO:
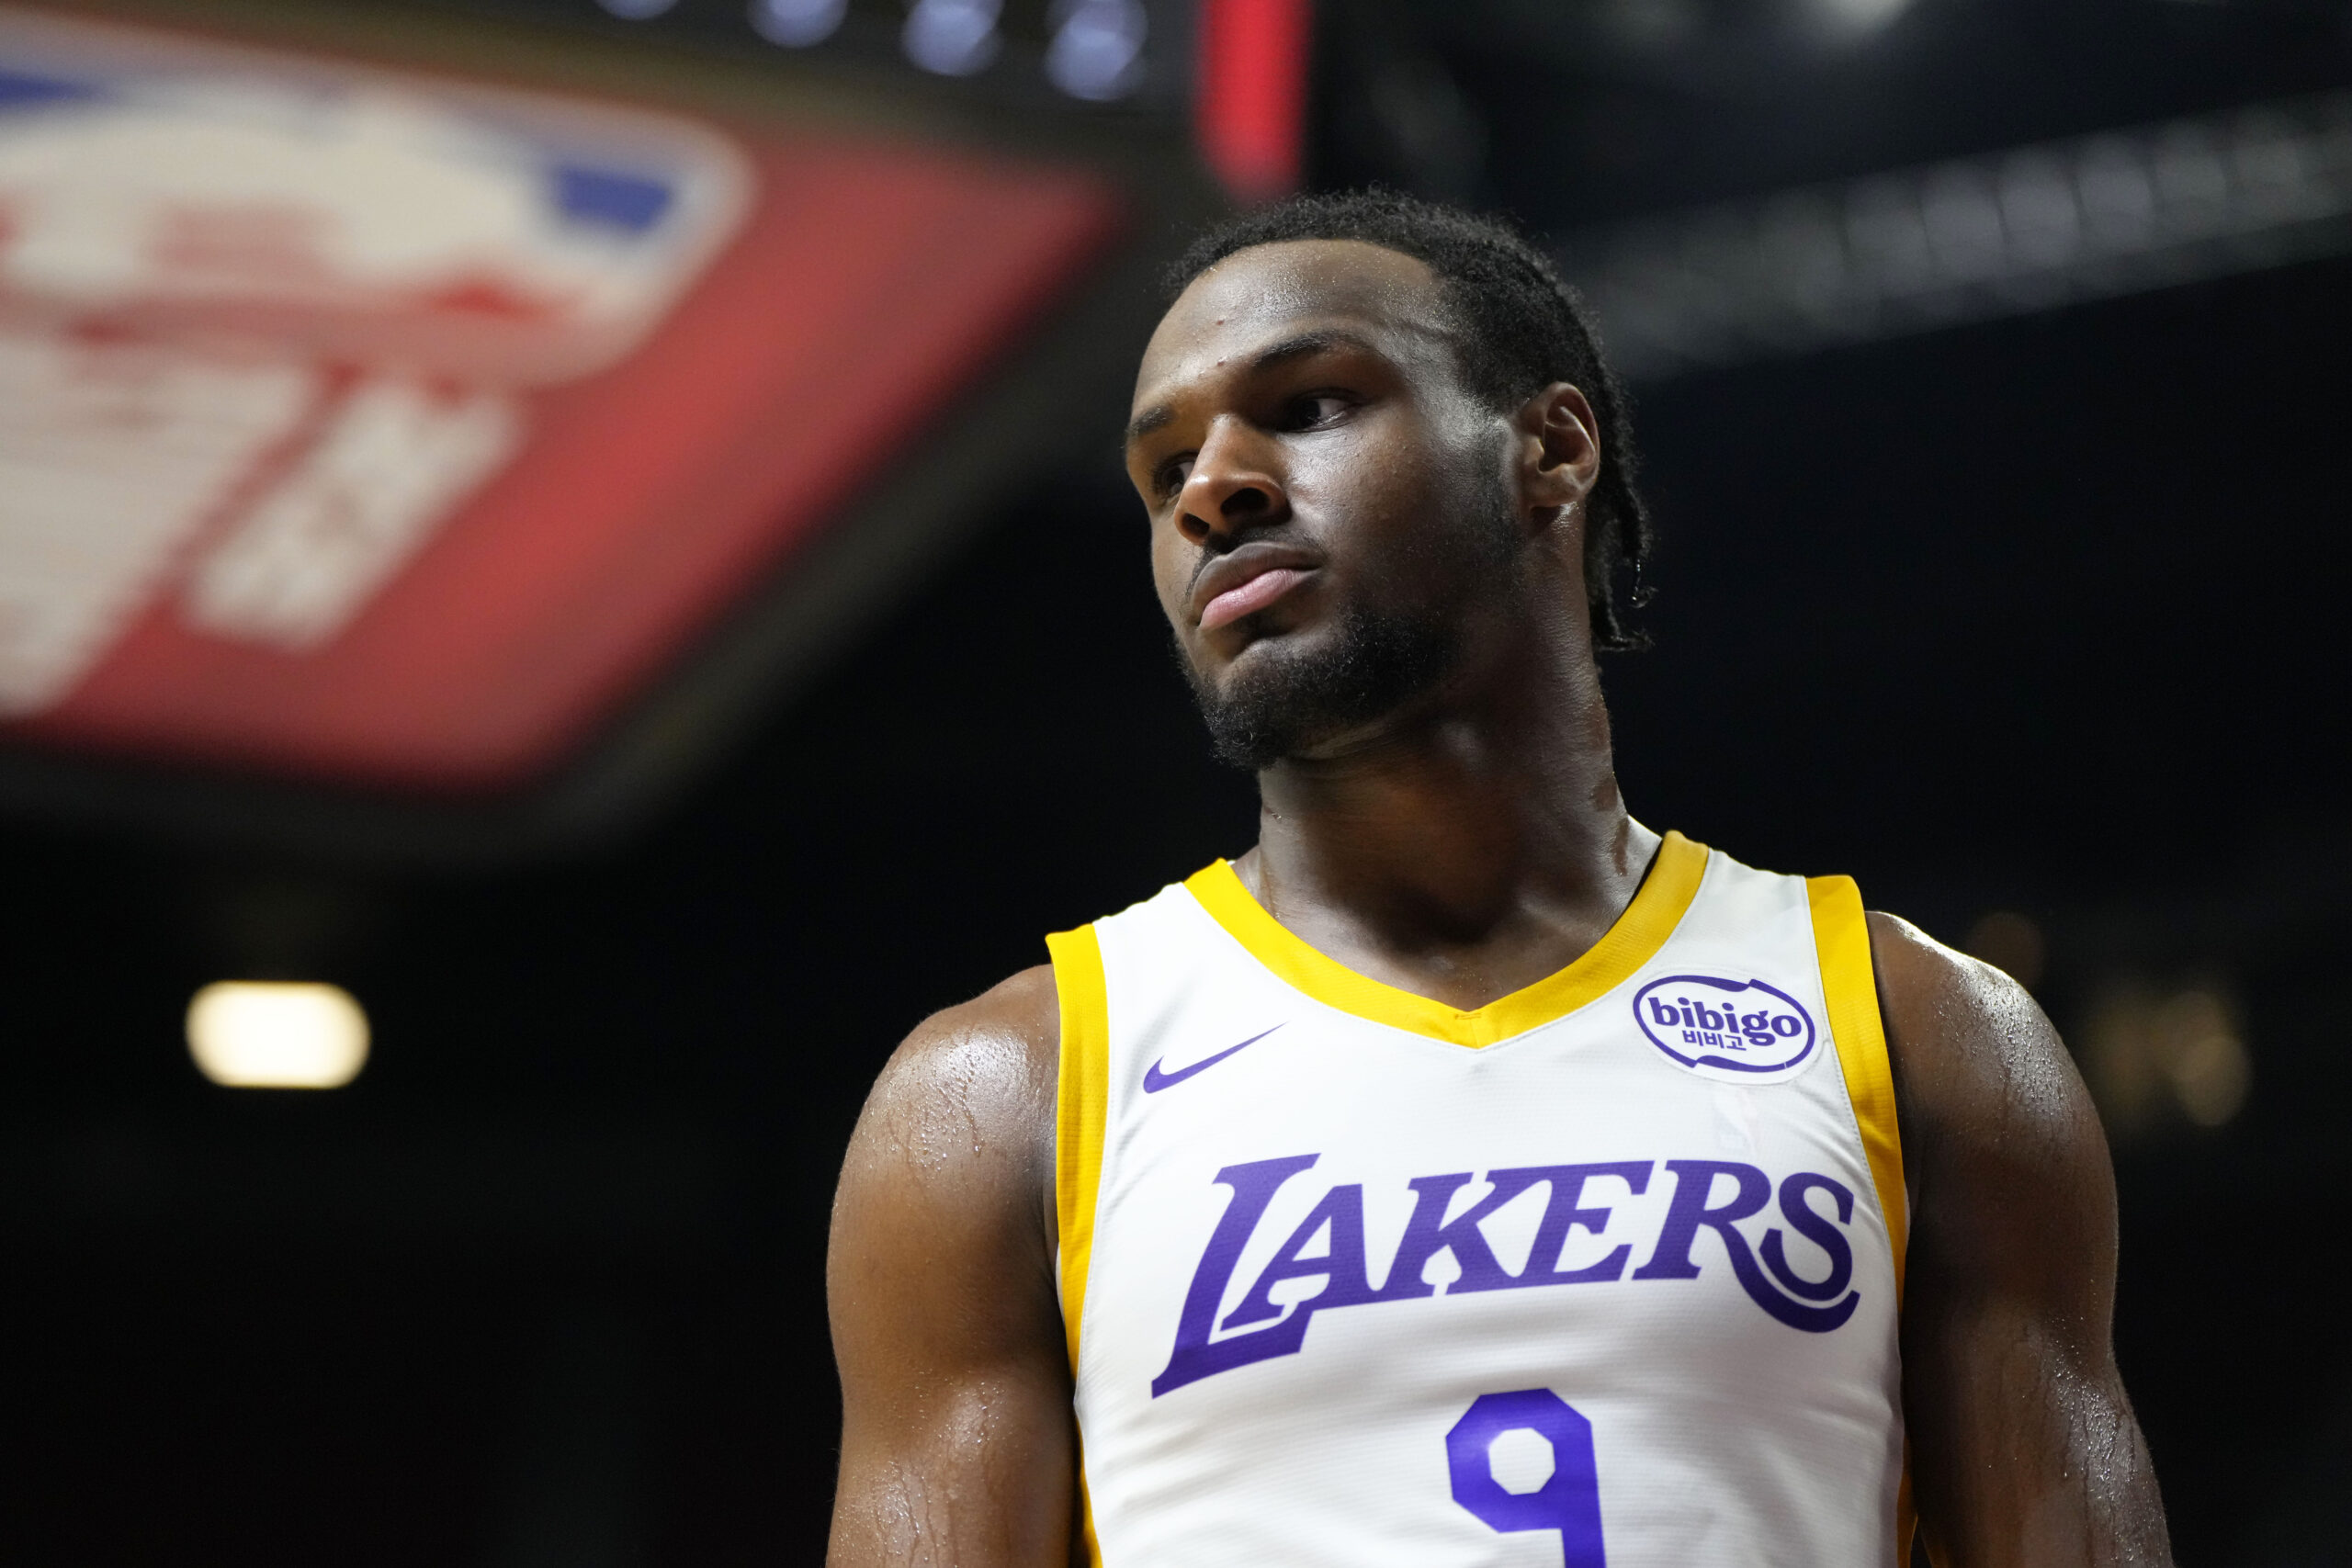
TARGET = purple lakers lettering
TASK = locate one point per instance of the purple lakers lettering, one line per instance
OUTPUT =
(1700, 1201)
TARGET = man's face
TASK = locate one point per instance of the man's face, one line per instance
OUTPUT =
(1330, 508)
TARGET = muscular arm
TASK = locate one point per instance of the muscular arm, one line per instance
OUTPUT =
(956, 1435)
(2024, 1449)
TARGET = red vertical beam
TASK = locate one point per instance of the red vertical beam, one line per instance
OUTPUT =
(1250, 98)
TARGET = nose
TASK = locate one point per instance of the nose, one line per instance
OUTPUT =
(1232, 487)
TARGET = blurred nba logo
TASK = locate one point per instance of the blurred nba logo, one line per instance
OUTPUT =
(172, 186)
(266, 323)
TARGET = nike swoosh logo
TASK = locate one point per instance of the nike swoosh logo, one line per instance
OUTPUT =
(1154, 1080)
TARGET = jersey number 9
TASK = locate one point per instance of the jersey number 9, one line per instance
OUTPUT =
(1569, 1500)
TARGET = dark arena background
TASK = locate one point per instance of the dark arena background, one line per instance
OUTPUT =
(574, 558)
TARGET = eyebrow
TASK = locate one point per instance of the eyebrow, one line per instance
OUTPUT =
(1299, 346)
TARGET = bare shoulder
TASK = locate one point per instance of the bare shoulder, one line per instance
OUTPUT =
(971, 1091)
(1976, 1058)
(2023, 1444)
(2005, 1160)
(956, 1438)
(987, 1055)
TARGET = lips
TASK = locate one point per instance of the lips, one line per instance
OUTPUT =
(1247, 581)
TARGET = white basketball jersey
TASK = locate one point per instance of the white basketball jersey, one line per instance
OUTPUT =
(1604, 1272)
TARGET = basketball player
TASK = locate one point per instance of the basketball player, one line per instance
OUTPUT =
(1467, 1174)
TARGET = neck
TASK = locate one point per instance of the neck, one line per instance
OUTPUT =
(1462, 852)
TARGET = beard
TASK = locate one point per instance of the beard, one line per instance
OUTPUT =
(1375, 662)
(1291, 703)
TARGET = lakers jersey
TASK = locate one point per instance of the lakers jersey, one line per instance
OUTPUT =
(1604, 1272)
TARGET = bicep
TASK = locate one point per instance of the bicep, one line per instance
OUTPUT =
(957, 1445)
(2024, 1448)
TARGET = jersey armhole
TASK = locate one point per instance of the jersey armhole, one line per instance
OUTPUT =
(1081, 1104)
(1841, 939)
(1080, 1110)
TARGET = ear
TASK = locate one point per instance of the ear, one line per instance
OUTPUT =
(1559, 445)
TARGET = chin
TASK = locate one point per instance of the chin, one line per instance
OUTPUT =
(1295, 694)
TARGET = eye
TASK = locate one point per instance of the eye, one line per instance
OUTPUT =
(1168, 477)
(1315, 410)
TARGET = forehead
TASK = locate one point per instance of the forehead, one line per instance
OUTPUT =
(1267, 294)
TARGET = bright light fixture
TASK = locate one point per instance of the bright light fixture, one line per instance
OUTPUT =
(276, 1034)
(1097, 52)
(1861, 15)
(797, 24)
(952, 38)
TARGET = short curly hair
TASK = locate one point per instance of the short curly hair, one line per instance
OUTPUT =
(1523, 328)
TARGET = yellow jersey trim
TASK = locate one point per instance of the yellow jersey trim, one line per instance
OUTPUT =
(1841, 938)
(1657, 907)
(1081, 1104)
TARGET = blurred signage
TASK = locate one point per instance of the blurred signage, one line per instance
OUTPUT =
(394, 430)
(1249, 107)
